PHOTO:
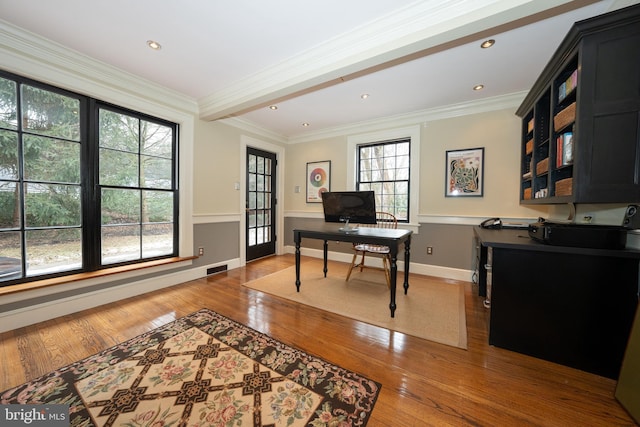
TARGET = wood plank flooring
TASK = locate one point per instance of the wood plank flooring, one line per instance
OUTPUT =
(423, 383)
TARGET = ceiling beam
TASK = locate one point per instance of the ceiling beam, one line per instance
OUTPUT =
(420, 29)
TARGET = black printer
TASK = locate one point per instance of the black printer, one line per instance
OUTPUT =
(578, 235)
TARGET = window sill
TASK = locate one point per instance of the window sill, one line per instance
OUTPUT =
(39, 284)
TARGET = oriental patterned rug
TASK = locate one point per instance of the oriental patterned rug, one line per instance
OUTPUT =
(203, 370)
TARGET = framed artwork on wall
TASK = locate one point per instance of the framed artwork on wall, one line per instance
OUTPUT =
(318, 180)
(464, 173)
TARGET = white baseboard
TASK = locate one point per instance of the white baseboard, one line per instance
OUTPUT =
(32, 314)
(424, 269)
(59, 307)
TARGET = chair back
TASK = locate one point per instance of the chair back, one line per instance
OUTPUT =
(384, 220)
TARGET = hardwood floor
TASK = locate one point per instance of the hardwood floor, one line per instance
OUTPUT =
(423, 383)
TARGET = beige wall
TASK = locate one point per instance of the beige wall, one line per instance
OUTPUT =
(216, 167)
(496, 131)
(334, 149)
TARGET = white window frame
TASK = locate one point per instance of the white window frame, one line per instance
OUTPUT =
(411, 132)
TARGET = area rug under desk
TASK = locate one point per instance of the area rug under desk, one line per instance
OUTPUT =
(203, 370)
(433, 309)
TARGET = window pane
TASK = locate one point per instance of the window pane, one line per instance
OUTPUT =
(403, 174)
(252, 163)
(53, 251)
(9, 205)
(10, 260)
(52, 160)
(8, 104)
(118, 168)
(155, 172)
(119, 132)
(120, 243)
(157, 206)
(157, 240)
(8, 155)
(48, 113)
(120, 206)
(48, 205)
(157, 140)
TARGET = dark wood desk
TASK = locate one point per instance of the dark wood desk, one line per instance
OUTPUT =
(375, 236)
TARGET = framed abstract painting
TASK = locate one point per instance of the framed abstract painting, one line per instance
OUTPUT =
(464, 173)
(318, 180)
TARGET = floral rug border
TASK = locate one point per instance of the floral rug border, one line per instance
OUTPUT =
(347, 397)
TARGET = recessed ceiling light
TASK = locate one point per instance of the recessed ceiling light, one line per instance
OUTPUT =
(305, 124)
(273, 107)
(487, 43)
(478, 87)
(154, 45)
(364, 96)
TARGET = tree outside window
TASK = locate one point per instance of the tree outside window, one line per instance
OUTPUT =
(384, 167)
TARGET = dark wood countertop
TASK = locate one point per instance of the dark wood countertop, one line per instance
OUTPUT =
(519, 239)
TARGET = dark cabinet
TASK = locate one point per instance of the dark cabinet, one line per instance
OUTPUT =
(572, 306)
(581, 120)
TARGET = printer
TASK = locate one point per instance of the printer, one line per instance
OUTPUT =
(578, 235)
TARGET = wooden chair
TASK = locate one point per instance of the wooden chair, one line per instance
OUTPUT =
(384, 220)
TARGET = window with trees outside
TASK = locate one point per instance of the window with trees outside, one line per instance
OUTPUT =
(384, 167)
(84, 185)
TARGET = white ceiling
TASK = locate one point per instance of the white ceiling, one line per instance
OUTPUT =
(315, 58)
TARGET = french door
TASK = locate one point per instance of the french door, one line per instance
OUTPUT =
(260, 204)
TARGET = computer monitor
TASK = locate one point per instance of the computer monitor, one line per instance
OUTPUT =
(356, 207)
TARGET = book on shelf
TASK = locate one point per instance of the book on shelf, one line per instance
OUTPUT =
(567, 144)
(564, 149)
(568, 86)
(530, 126)
(562, 91)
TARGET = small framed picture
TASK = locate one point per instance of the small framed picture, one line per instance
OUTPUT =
(464, 173)
(318, 180)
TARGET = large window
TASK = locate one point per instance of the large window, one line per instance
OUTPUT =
(384, 167)
(83, 184)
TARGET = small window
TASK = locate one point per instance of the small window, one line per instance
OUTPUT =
(384, 167)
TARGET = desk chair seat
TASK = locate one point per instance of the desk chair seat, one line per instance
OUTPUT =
(384, 220)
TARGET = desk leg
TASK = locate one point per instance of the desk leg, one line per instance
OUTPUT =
(325, 250)
(393, 272)
(297, 241)
(407, 246)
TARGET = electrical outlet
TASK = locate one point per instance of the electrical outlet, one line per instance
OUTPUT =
(429, 250)
(200, 251)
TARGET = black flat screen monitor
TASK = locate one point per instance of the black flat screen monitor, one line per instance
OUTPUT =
(356, 207)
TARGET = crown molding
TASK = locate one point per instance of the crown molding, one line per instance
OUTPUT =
(414, 29)
(36, 57)
(249, 126)
(503, 102)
